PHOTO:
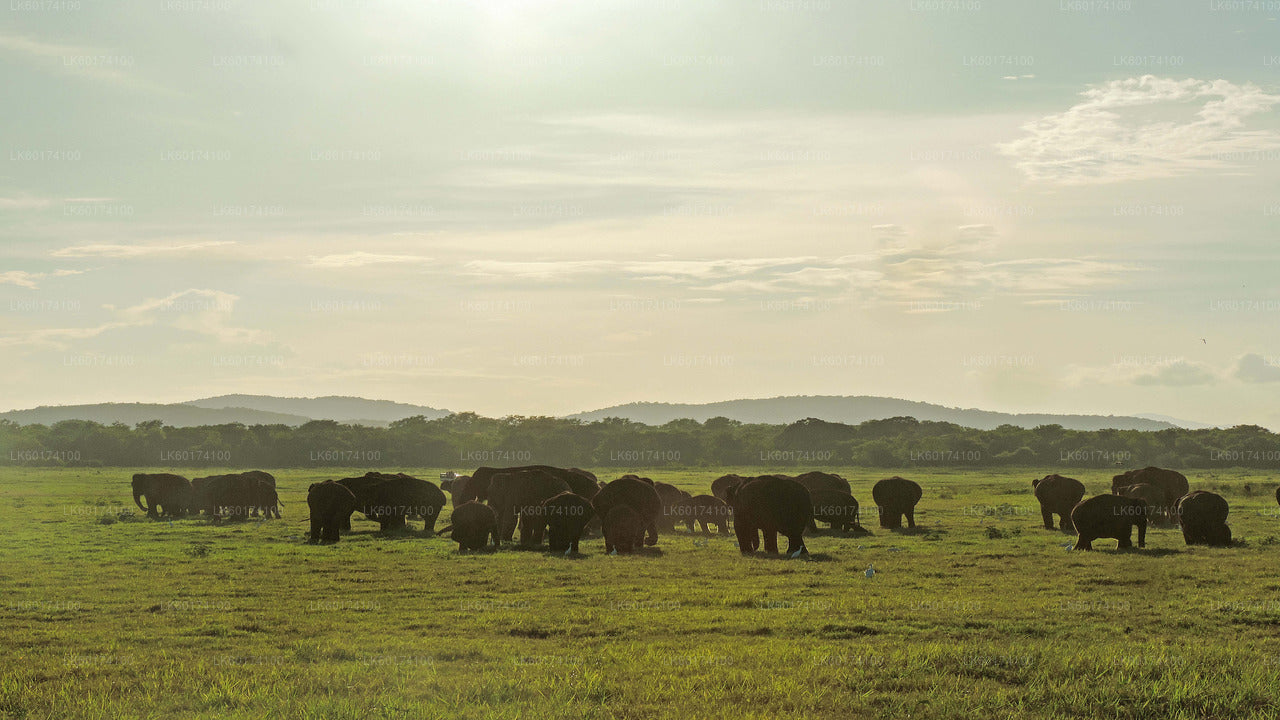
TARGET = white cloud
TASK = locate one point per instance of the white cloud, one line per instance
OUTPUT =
(362, 259)
(201, 311)
(21, 278)
(1112, 135)
(25, 202)
(135, 251)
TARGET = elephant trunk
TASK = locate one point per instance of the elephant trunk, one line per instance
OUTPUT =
(137, 498)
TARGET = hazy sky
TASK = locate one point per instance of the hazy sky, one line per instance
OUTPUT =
(535, 207)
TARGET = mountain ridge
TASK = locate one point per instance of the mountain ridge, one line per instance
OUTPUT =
(780, 410)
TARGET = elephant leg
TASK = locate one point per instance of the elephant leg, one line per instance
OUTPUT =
(651, 533)
(1084, 543)
(1047, 516)
(1124, 543)
(317, 527)
(911, 518)
(771, 541)
(795, 544)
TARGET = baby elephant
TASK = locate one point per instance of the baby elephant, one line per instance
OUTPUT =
(706, 510)
(837, 508)
(565, 515)
(331, 505)
(1110, 516)
(623, 530)
(1204, 519)
(473, 525)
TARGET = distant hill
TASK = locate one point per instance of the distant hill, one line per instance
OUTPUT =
(332, 407)
(246, 409)
(131, 414)
(856, 409)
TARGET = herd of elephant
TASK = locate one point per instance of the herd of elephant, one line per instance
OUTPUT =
(1138, 497)
(561, 505)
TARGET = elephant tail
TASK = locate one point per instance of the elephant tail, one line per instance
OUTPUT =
(447, 528)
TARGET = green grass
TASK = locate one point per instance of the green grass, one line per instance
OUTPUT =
(981, 613)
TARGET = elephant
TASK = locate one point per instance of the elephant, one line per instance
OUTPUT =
(331, 505)
(837, 508)
(472, 524)
(771, 504)
(815, 480)
(456, 487)
(641, 496)
(264, 480)
(389, 499)
(896, 497)
(720, 486)
(1057, 495)
(672, 498)
(624, 529)
(581, 482)
(477, 487)
(1149, 494)
(516, 498)
(1278, 496)
(706, 510)
(237, 495)
(166, 494)
(565, 516)
(1203, 516)
(1172, 483)
(1110, 516)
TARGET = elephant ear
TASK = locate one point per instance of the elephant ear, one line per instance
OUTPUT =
(1035, 483)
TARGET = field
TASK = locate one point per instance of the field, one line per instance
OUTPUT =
(980, 613)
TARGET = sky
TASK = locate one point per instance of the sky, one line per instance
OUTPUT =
(534, 207)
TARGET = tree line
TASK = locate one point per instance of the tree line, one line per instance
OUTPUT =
(465, 441)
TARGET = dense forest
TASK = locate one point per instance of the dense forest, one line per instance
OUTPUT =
(464, 441)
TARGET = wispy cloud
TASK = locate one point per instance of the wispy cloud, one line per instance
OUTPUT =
(137, 251)
(201, 311)
(362, 259)
(1110, 136)
(21, 278)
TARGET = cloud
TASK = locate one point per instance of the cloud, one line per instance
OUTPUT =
(1111, 136)
(21, 278)
(200, 311)
(71, 59)
(1254, 368)
(951, 270)
(362, 259)
(25, 202)
(1154, 371)
(135, 251)
(1176, 374)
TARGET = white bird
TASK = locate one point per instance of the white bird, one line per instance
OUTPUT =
(871, 571)
(568, 550)
(615, 551)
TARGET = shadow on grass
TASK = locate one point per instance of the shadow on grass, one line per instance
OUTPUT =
(921, 531)
(811, 557)
(841, 534)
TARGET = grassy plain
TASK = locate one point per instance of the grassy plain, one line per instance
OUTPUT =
(980, 613)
